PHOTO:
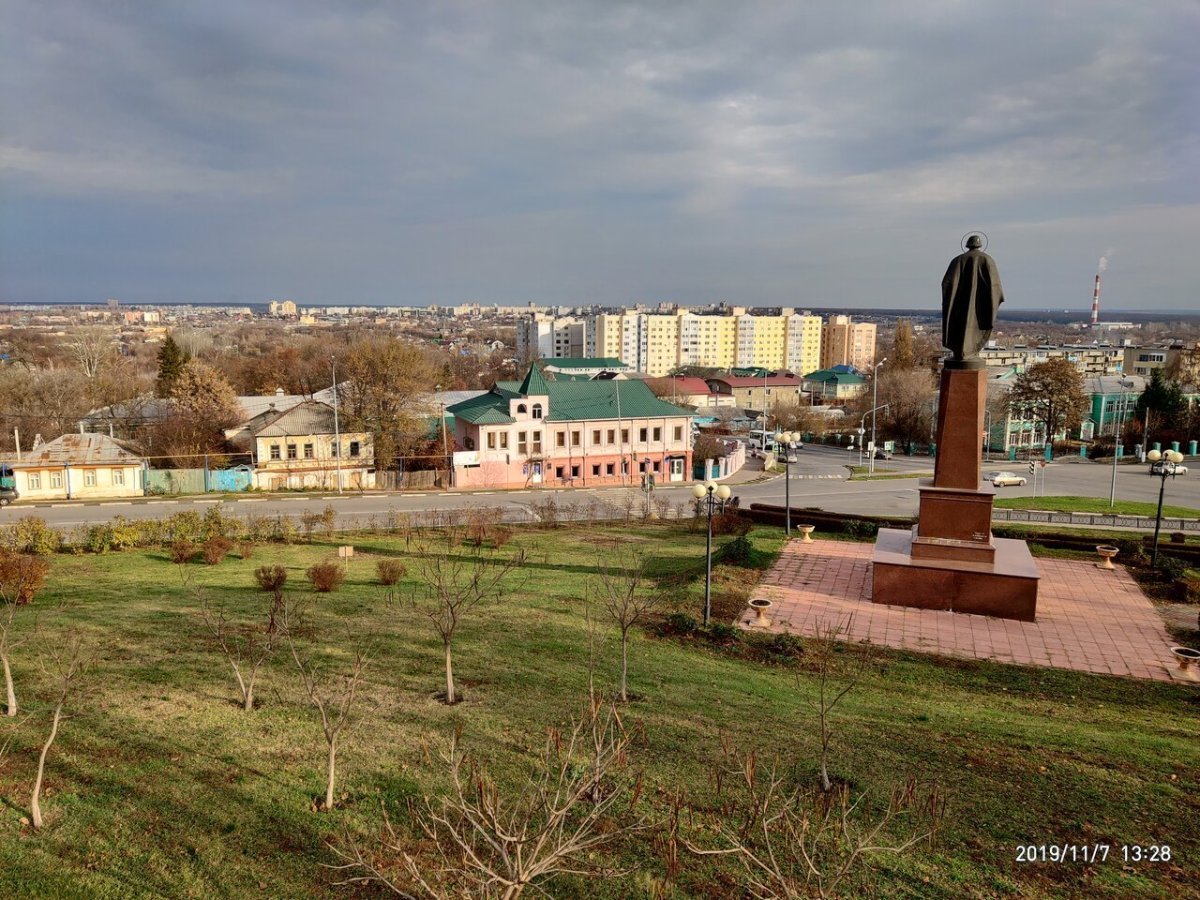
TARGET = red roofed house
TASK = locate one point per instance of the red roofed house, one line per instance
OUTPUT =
(688, 390)
(753, 392)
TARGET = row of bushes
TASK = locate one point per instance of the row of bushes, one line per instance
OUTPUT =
(32, 534)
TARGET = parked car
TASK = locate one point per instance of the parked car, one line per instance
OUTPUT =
(1157, 468)
(8, 486)
(1004, 479)
(880, 453)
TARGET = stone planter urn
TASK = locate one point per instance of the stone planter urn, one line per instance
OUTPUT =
(760, 608)
(806, 533)
(1185, 655)
(1106, 554)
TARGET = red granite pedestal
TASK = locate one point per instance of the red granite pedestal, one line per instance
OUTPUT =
(950, 560)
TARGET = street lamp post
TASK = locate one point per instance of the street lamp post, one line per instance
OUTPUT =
(1118, 422)
(874, 414)
(710, 493)
(1168, 459)
(788, 439)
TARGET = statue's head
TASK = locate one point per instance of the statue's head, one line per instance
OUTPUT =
(974, 242)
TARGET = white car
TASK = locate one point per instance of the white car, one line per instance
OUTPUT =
(1170, 468)
(1004, 479)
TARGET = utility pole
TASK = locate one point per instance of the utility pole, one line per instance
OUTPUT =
(446, 450)
(337, 431)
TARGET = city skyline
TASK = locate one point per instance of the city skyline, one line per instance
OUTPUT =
(442, 154)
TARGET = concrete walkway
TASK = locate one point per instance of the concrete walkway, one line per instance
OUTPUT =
(1088, 619)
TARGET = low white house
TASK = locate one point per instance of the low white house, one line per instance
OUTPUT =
(78, 467)
(298, 447)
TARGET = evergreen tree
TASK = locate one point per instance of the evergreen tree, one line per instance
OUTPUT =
(1165, 401)
(171, 361)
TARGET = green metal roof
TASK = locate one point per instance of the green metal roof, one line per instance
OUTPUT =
(535, 383)
(603, 362)
(570, 400)
(827, 375)
(486, 409)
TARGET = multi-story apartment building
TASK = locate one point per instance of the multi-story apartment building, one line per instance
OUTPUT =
(1144, 360)
(657, 342)
(547, 430)
(847, 343)
(1091, 359)
(544, 337)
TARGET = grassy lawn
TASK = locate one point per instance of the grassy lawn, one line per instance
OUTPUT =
(160, 786)
(1094, 505)
(862, 473)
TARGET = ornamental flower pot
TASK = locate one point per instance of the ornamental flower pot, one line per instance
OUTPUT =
(760, 607)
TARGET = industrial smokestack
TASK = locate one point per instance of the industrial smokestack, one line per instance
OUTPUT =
(1096, 301)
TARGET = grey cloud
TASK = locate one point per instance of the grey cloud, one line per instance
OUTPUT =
(408, 152)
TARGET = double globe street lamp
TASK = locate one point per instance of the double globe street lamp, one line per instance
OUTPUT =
(710, 493)
(788, 440)
(1162, 464)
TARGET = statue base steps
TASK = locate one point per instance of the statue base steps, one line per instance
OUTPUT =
(1004, 586)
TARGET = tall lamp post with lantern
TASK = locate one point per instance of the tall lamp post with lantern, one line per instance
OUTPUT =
(1164, 462)
(710, 494)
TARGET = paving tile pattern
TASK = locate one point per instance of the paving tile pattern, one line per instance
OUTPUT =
(1088, 619)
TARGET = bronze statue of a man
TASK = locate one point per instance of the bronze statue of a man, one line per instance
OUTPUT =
(971, 298)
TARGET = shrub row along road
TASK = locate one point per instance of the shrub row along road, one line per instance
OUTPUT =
(818, 480)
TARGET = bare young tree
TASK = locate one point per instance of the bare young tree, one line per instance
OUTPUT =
(627, 602)
(247, 646)
(67, 666)
(495, 844)
(333, 696)
(21, 577)
(796, 842)
(834, 681)
(455, 583)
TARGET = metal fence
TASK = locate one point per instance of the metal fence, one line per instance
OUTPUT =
(1169, 523)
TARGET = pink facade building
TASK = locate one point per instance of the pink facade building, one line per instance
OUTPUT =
(565, 431)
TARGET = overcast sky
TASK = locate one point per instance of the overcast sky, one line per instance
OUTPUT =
(785, 153)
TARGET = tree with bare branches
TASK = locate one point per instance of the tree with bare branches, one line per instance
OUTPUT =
(836, 677)
(21, 577)
(332, 695)
(628, 603)
(455, 580)
(67, 667)
(92, 348)
(495, 843)
(795, 842)
(247, 646)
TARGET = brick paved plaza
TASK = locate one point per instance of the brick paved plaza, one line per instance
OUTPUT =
(1088, 618)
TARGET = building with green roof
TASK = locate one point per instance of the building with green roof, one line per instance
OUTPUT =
(553, 428)
(836, 386)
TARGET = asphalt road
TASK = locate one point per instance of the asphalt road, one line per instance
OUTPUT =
(818, 479)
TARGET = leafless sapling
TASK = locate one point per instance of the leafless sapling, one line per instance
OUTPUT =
(627, 602)
(795, 842)
(21, 577)
(247, 646)
(332, 695)
(66, 666)
(454, 584)
(497, 843)
(835, 679)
